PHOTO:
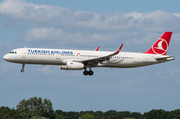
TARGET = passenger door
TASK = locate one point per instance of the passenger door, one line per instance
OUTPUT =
(23, 54)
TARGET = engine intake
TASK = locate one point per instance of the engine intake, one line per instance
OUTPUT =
(72, 66)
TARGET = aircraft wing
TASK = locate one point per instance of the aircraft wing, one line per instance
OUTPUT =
(101, 59)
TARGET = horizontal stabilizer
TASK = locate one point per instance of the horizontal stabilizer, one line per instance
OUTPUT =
(166, 58)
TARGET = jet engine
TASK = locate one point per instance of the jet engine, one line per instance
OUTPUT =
(72, 66)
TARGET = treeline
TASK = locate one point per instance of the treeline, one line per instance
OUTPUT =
(36, 108)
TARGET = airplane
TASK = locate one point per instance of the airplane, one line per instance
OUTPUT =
(83, 59)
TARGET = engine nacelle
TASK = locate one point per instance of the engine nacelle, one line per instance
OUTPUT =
(73, 66)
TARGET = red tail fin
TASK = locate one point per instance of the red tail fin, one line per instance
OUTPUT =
(161, 45)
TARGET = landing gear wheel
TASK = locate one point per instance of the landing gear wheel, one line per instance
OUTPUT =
(91, 73)
(23, 65)
(85, 72)
(22, 70)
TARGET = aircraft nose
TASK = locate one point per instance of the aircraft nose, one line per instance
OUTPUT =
(5, 57)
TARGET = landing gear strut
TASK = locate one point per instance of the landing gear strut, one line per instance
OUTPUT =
(90, 72)
(23, 65)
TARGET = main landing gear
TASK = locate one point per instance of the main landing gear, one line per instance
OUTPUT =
(90, 72)
(22, 70)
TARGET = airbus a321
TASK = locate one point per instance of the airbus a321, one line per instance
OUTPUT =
(84, 59)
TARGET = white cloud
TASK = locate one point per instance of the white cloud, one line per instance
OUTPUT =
(45, 33)
(177, 14)
(55, 36)
(64, 27)
(23, 12)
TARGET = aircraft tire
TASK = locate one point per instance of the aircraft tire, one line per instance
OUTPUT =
(91, 72)
(85, 72)
(22, 70)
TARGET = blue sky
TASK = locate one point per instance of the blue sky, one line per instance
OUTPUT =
(101, 6)
(86, 25)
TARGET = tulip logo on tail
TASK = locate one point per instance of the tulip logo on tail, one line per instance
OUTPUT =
(160, 47)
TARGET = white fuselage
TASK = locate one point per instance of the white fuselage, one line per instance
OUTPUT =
(62, 56)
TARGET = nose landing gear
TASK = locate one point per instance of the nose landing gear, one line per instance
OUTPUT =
(22, 70)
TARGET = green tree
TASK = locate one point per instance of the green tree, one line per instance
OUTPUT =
(35, 107)
(86, 116)
(136, 115)
(57, 116)
(123, 114)
(113, 117)
(175, 114)
(38, 117)
(72, 115)
(128, 118)
(60, 112)
(98, 115)
(7, 113)
(156, 114)
(110, 114)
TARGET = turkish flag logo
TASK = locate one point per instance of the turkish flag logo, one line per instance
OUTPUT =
(160, 47)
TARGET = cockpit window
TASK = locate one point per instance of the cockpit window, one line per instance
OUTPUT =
(12, 52)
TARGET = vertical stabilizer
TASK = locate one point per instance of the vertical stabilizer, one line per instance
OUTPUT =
(161, 45)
